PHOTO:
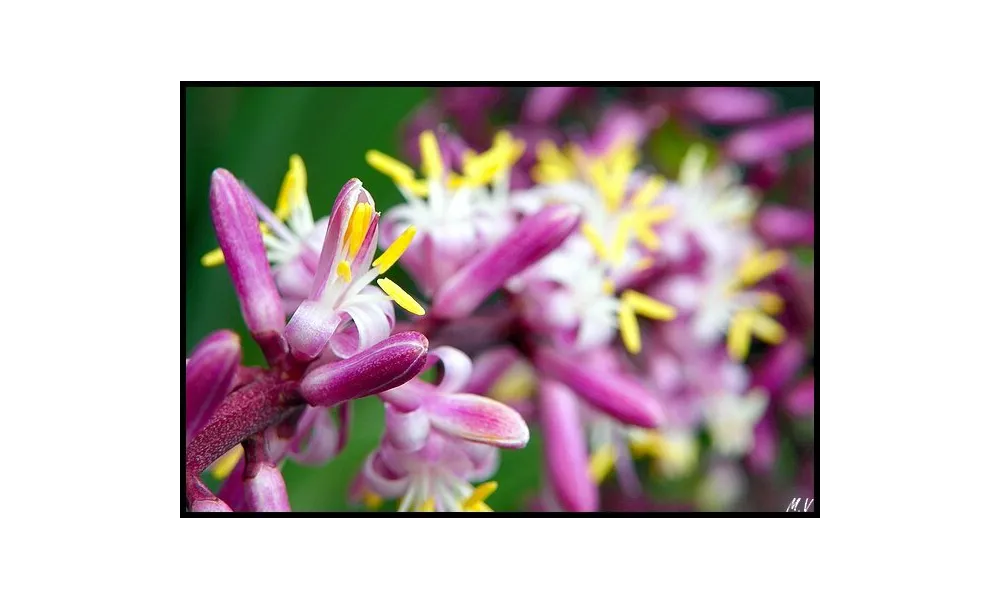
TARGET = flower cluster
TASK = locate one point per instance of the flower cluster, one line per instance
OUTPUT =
(636, 312)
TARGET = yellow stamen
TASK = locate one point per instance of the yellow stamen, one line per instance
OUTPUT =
(648, 307)
(357, 227)
(608, 286)
(427, 506)
(601, 463)
(648, 192)
(645, 262)
(372, 500)
(549, 153)
(590, 232)
(551, 173)
(649, 443)
(395, 250)
(388, 165)
(738, 342)
(767, 328)
(213, 258)
(293, 188)
(759, 265)
(517, 383)
(344, 271)
(404, 300)
(628, 325)
(480, 494)
(431, 154)
(657, 214)
(771, 303)
(647, 237)
(225, 464)
(416, 187)
(620, 243)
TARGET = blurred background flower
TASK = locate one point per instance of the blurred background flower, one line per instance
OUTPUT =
(761, 451)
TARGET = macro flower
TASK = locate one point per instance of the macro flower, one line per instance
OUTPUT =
(341, 294)
(453, 215)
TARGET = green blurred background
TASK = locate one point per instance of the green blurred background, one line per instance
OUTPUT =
(252, 132)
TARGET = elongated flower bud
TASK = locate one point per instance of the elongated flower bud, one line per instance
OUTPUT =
(612, 393)
(533, 239)
(201, 499)
(565, 448)
(772, 139)
(388, 364)
(728, 105)
(243, 248)
(262, 481)
(543, 104)
(778, 366)
(209, 375)
(785, 226)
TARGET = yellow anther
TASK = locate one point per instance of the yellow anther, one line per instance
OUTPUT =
(388, 165)
(738, 341)
(549, 153)
(645, 262)
(430, 153)
(657, 214)
(372, 500)
(620, 242)
(213, 258)
(517, 383)
(415, 186)
(357, 227)
(404, 300)
(648, 192)
(767, 328)
(427, 506)
(601, 463)
(608, 286)
(759, 265)
(648, 307)
(293, 188)
(628, 325)
(590, 232)
(649, 443)
(550, 173)
(647, 237)
(770, 302)
(479, 495)
(344, 271)
(395, 250)
(225, 464)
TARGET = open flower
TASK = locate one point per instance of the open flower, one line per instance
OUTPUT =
(341, 292)
(454, 215)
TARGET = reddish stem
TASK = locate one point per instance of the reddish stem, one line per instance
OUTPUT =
(245, 411)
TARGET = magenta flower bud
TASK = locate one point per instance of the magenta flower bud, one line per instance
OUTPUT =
(262, 481)
(778, 366)
(565, 448)
(544, 104)
(759, 143)
(728, 105)
(622, 123)
(201, 499)
(388, 364)
(478, 419)
(242, 245)
(209, 375)
(801, 399)
(612, 393)
(785, 226)
(533, 239)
